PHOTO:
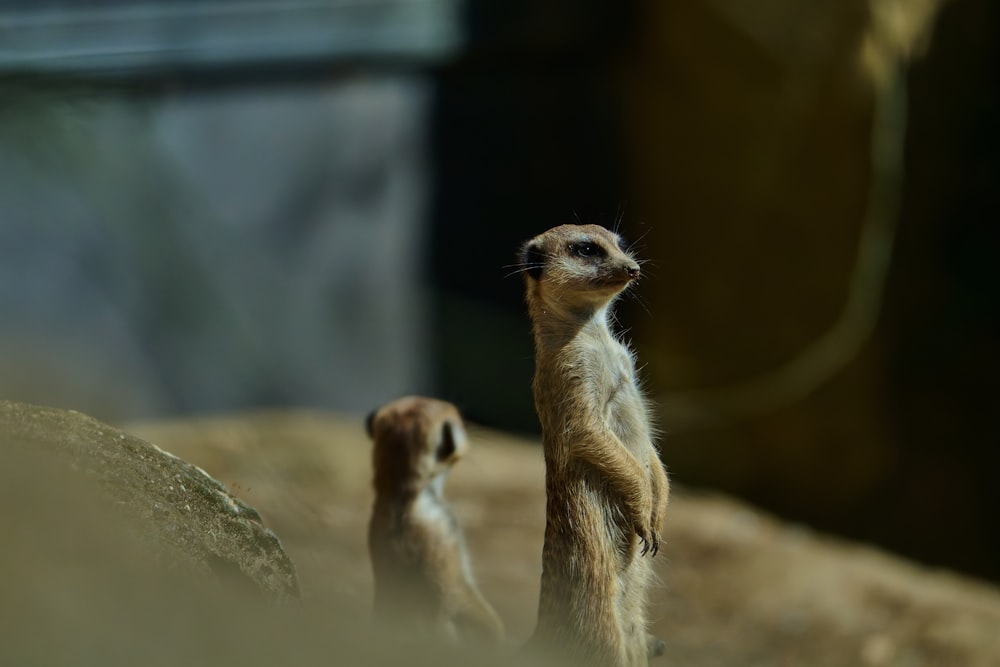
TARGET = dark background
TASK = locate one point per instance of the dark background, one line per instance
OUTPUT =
(327, 216)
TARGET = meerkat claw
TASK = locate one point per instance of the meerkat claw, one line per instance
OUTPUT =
(645, 545)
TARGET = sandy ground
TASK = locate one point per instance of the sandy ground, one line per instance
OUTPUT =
(738, 586)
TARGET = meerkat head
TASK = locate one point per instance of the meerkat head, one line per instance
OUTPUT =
(416, 439)
(577, 266)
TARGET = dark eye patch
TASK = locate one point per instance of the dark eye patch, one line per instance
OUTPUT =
(587, 249)
(532, 260)
(447, 445)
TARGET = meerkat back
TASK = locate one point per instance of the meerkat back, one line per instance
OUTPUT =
(419, 558)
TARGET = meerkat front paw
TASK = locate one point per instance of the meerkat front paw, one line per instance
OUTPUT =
(643, 525)
(651, 544)
(661, 495)
(647, 537)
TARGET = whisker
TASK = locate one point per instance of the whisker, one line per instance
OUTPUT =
(649, 268)
(639, 300)
(513, 266)
(619, 217)
(650, 271)
(521, 268)
(635, 244)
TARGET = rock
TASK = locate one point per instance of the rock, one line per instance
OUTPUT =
(186, 518)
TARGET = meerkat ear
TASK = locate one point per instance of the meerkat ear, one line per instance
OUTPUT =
(370, 423)
(446, 447)
(532, 259)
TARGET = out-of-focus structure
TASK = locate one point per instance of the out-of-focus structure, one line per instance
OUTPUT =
(213, 205)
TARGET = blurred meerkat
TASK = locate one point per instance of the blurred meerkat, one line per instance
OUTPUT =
(418, 554)
(606, 490)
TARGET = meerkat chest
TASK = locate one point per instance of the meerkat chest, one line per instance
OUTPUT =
(612, 367)
(612, 381)
(432, 515)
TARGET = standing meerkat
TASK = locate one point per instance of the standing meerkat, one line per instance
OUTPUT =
(606, 490)
(418, 554)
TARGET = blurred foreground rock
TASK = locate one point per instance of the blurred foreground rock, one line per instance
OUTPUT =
(189, 519)
(740, 588)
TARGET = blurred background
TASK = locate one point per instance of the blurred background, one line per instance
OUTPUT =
(211, 207)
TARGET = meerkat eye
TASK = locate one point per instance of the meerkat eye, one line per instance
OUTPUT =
(447, 445)
(586, 249)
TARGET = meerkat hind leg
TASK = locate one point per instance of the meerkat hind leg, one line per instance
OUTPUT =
(655, 647)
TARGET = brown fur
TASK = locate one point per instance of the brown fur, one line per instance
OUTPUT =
(606, 488)
(418, 553)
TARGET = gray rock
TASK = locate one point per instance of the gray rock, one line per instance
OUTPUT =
(187, 519)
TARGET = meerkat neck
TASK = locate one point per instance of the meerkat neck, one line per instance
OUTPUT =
(402, 495)
(554, 327)
(392, 493)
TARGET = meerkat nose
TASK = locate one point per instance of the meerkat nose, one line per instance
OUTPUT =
(632, 271)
